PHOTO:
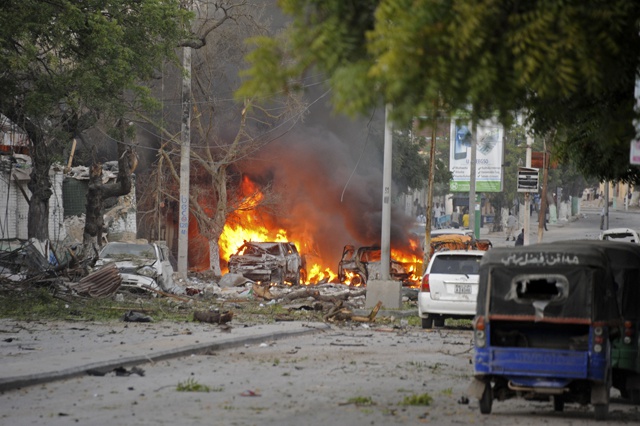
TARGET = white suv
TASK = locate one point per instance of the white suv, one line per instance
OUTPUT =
(449, 287)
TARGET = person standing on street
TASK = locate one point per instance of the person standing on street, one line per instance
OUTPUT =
(602, 219)
(465, 219)
(512, 222)
(520, 239)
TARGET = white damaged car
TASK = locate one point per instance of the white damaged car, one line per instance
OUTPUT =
(141, 265)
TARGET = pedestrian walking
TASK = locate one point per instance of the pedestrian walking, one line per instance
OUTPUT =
(512, 222)
(546, 218)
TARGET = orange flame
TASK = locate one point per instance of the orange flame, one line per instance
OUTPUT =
(243, 225)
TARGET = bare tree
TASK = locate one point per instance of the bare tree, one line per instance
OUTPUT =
(226, 132)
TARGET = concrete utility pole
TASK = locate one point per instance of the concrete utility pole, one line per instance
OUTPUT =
(432, 171)
(185, 154)
(385, 241)
(606, 204)
(527, 195)
(542, 215)
(382, 289)
(472, 182)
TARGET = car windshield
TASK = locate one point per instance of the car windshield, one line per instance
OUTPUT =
(121, 250)
(456, 264)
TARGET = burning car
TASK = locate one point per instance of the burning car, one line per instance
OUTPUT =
(358, 266)
(145, 266)
(274, 262)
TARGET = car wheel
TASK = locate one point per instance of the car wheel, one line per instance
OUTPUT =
(601, 411)
(277, 276)
(439, 321)
(558, 403)
(486, 401)
(357, 280)
(427, 322)
(634, 394)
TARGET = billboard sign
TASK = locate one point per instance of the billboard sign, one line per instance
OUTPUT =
(489, 155)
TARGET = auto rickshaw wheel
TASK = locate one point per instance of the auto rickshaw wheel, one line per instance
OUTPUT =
(558, 403)
(427, 322)
(601, 411)
(634, 395)
(487, 399)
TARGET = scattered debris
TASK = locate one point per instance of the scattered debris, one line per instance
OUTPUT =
(102, 283)
(250, 393)
(120, 371)
(262, 291)
(133, 316)
(338, 313)
(463, 400)
(213, 317)
(191, 385)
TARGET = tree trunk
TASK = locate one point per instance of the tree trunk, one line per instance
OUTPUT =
(214, 257)
(40, 187)
(98, 192)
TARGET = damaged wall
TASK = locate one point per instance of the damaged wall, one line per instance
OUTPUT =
(14, 207)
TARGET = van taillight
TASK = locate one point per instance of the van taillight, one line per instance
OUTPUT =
(628, 332)
(425, 283)
(478, 323)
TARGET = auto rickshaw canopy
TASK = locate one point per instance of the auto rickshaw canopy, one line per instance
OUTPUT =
(562, 282)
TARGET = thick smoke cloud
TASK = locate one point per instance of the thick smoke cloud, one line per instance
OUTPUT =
(329, 195)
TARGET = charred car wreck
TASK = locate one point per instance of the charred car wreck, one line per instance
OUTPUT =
(358, 266)
(269, 262)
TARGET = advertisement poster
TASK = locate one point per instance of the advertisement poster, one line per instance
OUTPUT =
(489, 155)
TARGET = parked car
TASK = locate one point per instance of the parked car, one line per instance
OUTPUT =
(142, 266)
(451, 231)
(274, 262)
(620, 234)
(358, 266)
(449, 286)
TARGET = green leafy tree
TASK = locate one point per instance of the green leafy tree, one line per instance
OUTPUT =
(68, 64)
(570, 65)
(411, 163)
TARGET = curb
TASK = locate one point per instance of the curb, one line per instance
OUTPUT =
(147, 354)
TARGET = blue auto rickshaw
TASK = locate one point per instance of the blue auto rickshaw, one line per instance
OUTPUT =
(545, 320)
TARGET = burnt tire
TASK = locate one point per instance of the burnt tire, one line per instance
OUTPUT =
(486, 401)
(277, 276)
(558, 403)
(427, 323)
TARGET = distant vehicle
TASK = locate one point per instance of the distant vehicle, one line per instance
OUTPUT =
(451, 231)
(359, 266)
(274, 262)
(449, 287)
(620, 234)
(142, 266)
(458, 242)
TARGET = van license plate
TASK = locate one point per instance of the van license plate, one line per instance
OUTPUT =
(463, 289)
